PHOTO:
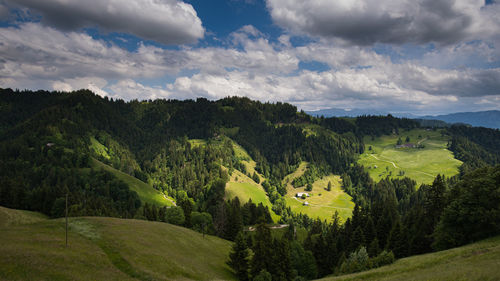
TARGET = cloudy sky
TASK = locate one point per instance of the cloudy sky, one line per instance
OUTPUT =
(416, 56)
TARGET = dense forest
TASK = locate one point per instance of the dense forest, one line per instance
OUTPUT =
(50, 140)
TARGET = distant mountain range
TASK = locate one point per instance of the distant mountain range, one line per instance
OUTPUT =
(488, 119)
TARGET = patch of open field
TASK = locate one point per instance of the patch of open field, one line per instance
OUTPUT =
(478, 261)
(146, 192)
(9, 217)
(245, 189)
(109, 249)
(421, 164)
(321, 203)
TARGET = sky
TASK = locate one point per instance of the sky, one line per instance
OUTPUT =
(399, 56)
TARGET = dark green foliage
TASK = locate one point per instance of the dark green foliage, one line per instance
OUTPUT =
(239, 258)
(383, 125)
(476, 147)
(357, 261)
(309, 177)
(201, 222)
(473, 212)
(263, 251)
(263, 275)
(303, 261)
(382, 259)
(175, 215)
(234, 220)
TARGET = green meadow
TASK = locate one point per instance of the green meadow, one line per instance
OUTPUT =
(146, 193)
(322, 203)
(243, 187)
(33, 248)
(421, 164)
(478, 261)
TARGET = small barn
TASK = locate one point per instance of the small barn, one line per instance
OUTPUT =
(300, 194)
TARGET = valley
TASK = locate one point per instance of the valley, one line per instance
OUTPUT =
(152, 190)
(422, 158)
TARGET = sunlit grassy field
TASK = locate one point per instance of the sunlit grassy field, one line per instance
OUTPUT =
(322, 203)
(107, 249)
(245, 189)
(478, 261)
(146, 192)
(420, 164)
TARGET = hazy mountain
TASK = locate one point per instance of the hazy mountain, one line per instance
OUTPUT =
(488, 119)
(339, 112)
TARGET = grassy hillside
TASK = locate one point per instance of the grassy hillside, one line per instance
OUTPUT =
(322, 203)
(478, 261)
(146, 192)
(243, 187)
(11, 217)
(420, 164)
(108, 249)
(320, 206)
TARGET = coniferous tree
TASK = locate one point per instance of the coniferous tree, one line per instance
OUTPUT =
(263, 250)
(239, 257)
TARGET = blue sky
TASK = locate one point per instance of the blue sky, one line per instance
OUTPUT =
(414, 56)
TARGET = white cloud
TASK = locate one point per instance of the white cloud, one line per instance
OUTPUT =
(164, 21)
(35, 56)
(365, 22)
(129, 89)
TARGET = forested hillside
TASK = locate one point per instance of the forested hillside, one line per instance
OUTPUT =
(95, 150)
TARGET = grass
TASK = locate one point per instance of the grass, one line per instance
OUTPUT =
(10, 217)
(108, 249)
(422, 165)
(297, 173)
(99, 148)
(146, 192)
(322, 203)
(245, 188)
(478, 261)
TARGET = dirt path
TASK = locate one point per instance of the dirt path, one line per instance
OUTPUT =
(251, 228)
(173, 202)
(393, 164)
(422, 140)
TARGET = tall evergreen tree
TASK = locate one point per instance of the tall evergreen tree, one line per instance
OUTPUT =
(263, 250)
(239, 257)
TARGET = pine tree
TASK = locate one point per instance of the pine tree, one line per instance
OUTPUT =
(239, 257)
(263, 250)
(358, 239)
(235, 221)
(373, 248)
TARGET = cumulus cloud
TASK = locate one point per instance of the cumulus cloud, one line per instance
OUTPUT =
(36, 52)
(36, 56)
(164, 21)
(129, 89)
(365, 22)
